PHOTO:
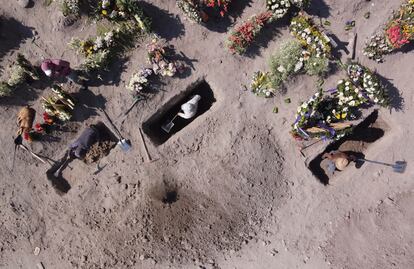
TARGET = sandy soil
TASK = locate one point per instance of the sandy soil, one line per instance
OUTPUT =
(230, 190)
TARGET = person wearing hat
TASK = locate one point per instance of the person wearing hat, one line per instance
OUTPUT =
(81, 146)
(337, 160)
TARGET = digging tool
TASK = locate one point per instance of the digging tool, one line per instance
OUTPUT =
(18, 143)
(311, 144)
(123, 143)
(398, 166)
(169, 125)
(123, 115)
(64, 163)
(32, 153)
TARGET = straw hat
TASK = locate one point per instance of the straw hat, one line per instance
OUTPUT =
(341, 163)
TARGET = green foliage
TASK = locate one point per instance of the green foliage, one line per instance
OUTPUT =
(5, 89)
(317, 66)
(285, 62)
(21, 71)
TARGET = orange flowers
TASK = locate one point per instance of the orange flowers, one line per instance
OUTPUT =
(244, 34)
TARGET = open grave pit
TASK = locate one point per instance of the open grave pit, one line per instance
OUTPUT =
(356, 144)
(62, 180)
(107, 141)
(153, 126)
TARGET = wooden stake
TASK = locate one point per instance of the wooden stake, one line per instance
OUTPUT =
(145, 146)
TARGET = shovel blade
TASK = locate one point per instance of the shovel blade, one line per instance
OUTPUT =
(399, 166)
(167, 127)
(124, 144)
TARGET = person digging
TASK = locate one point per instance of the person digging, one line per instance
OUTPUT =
(76, 150)
(189, 110)
(81, 146)
(337, 160)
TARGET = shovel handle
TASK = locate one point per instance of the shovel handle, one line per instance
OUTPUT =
(33, 154)
(376, 162)
(112, 124)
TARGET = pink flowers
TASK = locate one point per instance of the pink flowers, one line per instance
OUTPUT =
(396, 37)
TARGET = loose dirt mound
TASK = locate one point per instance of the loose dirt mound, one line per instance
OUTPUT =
(181, 223)
(98, 151)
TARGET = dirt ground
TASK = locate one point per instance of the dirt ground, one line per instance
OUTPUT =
(230, 190)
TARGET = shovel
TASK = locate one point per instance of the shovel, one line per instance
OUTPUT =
(398, 167)
(18, 143)
(68, 159)
(169, 125)
(123, 143)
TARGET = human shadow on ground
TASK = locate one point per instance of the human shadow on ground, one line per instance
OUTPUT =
(167, 25)
(396, 99)
(12, 33)
(318, 8)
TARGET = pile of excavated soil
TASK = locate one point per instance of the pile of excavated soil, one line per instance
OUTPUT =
(98, 151)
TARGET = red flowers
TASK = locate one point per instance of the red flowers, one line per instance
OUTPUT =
(38, 128)
(47, 119)
(27, 137)
(397, 37)
(244, 34)
(221, 5)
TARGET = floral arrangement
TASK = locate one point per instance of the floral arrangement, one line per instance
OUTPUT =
(261, 85)
(130, 23)
(110, 43)
(43, 128)
(221, 6)
(328, 115)
(21, 72)
(161, 65)
(287, 61)
(313, 40)
(370, 87)
(315, 119)
(121, 11)
(281, 7)
(196, 10)
(139, 80)
(191, 10)
(96, 51)
(309, 52)
(398, 32)
(58, 108)
(71, 7)
(243, 35)
(60, 105)
(157, 56)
